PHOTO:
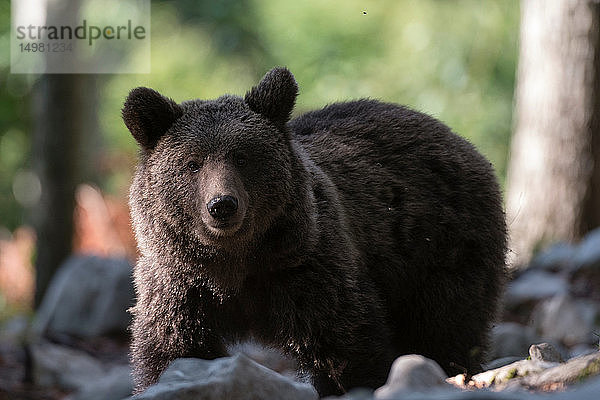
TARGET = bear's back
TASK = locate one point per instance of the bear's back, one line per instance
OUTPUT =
(390, 130)
(386, 147)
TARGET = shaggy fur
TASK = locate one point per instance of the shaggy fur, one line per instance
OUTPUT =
(363, 231)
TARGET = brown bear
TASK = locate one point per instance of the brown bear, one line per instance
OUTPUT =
(345, 237)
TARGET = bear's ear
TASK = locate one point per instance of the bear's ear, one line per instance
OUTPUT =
(274, 96)
(148, 115)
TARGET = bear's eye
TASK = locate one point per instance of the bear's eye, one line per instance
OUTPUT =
(193, 166)
(240, 160)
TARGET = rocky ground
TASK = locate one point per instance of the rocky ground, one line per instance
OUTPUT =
(546, 345)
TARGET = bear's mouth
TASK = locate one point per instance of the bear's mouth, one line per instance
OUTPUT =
(220, 229)
(225, 232)
(220, 226)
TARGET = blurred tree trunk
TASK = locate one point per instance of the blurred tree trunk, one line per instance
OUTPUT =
(55, 148)
(65, 141)
(553, 183)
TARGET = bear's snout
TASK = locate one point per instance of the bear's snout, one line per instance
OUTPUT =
(222, 200)
(222, 207)
(224, 214)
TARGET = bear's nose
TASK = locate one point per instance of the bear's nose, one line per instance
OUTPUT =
(222, 207)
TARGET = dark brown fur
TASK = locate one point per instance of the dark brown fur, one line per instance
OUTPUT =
(363, 231)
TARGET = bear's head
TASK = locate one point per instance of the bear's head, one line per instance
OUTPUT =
(212, 174)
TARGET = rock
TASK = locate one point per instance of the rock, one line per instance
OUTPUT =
(511, 340)
(56, 366)
(412, 373)
(587, 255)
(354, 394)
(544, 352)
(476, 395)
(585, 283)
(563, 375)
(270, 358)
(587, 391)
(585, 274)
(562, 318)
(534, 285)
(557, 257)
(232, 378)
(60, 366)
(88, 297)
(582, 350)
(501, 376)
(14, 330)
(540, 375)
(114, 385)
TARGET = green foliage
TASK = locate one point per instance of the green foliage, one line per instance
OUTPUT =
(453, 59)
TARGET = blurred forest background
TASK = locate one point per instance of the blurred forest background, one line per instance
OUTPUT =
(456, 60)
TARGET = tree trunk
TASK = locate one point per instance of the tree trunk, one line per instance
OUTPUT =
(65, 144)
(55, 151)
(553, 182)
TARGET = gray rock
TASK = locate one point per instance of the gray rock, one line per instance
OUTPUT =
(587, 255)
(567, 320)
(544, 352)
(501, 376)
(534, 285)
(269, 357)
(511, 340)
(540, 375)
(412, 373)
(582, 350)
(354, 394)
(554, 258)
(236, 377)
(60, 366)
(587, 391)
(14, 330)
(475, 395)
(573, 371)
(116, 384)
(89, 296)
(585, 274)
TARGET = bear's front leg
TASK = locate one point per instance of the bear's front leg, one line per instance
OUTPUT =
(159, 337)
(340, 334)
(351, 363)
